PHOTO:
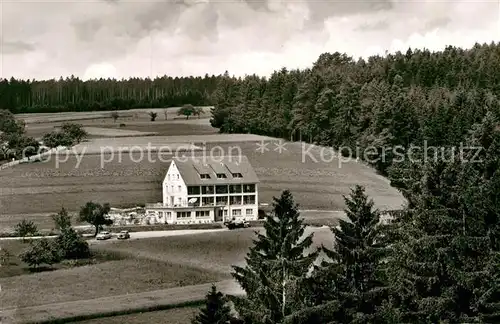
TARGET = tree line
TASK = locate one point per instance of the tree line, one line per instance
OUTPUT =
(399, 100)
(437, 261)
(15, 144)
(73, 94)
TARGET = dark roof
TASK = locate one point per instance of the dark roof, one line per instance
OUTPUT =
(190, 169)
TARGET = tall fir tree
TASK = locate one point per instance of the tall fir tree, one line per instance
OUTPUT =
(353, 273)
(215, 311)
(442, 266)
(276, 265)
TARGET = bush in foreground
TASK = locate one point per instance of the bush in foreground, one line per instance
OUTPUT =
(71, 245)
(42, 251)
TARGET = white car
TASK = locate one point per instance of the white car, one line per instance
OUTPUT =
(103, 236)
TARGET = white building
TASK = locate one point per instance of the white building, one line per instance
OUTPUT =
(205, 190)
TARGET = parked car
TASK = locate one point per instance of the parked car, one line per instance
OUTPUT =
(103, 236)
(237, 223)
(123, 235)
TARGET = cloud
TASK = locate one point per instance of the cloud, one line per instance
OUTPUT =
(16, 47)
(123, 38)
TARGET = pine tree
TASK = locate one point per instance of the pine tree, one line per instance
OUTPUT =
(215, 311)
(480, 188)
(353, 273)
(276, 266)
(443, 265)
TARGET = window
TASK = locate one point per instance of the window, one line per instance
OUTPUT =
(179, 188)
(235, 200)
(207, 201)
(235, 188)
(193, 190)
(221, 176)
(177, 176)
(183, 214)
(237, 175)
(172, 188)
(249, 188)
(179, 200)
(249, 212)
(221, 200)
(221, 189)
(236, 212)
(207, 190)
(202, 213)
(249, 200)
(205, 176)
(225, 212)
(168, 177)
(169, 214)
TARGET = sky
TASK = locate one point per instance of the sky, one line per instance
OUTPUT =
(121, 39)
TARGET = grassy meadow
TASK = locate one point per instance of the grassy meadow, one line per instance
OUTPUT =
(110, 273)
(36, 190)
(171, 316)
(135, 266)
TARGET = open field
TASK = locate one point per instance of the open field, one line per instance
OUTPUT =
(120, 277)
(181, 315)
(160, 127)
(148, 266)
(165, 145)
(142, 113)
(315, 185)
(119, 180)
(112, 132)
(214, 252)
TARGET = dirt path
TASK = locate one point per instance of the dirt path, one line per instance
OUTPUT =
(113, 304)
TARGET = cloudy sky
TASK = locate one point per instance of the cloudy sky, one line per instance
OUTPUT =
(122, 38)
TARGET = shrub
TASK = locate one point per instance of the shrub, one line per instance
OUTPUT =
(41, 251)
(62, 220)
(122, 125)
(153, 115)
(4, 257)
(25, 228)
(115, 115)
(75, 132)
(71, 245)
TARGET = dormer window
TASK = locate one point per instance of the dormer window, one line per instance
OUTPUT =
(204, 176)
(237, 175)
(221, 176)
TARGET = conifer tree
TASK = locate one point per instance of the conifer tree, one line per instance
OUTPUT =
(443, 265)
(215, 311)
(353, 273)
(276, 265)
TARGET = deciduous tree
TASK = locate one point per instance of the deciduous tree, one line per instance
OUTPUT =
(95, 214)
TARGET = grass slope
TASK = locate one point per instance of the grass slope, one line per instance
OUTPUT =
(172, 316)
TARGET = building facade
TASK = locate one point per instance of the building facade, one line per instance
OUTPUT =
(206, 190)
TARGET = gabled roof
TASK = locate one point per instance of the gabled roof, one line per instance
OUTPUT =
(190, 169)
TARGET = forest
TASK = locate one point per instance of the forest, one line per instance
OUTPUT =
(73, 94)
(399, 100)
(437, 261)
